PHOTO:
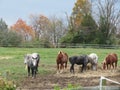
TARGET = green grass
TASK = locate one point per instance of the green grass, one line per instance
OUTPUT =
(11, 59)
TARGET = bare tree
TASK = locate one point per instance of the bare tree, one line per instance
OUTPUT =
(57, 28)
(108, 16)
(48, 29)
(40, 24)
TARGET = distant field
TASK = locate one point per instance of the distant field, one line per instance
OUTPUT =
(11, 59)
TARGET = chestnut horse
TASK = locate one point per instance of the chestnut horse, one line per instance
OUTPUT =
(62, 59)
(110, 59)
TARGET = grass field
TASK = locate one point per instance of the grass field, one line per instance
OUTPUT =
(11, 59)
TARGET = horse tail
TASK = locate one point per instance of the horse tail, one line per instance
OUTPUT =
(116, 56)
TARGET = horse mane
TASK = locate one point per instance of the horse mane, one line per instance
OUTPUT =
(59, 52)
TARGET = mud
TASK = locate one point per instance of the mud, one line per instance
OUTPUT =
(85, 79)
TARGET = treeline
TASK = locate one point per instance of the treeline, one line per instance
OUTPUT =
(90, 22)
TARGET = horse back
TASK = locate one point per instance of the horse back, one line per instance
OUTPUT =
(111, 58)
(73, 59)
(79, 60)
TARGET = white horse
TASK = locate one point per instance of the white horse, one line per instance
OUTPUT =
(93, 59)
(31, 61)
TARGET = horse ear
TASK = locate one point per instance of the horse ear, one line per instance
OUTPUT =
(59, 52)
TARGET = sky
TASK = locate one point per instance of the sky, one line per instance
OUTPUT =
(12, 10)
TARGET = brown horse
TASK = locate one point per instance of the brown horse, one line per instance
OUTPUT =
(110, 59)
(62, 59)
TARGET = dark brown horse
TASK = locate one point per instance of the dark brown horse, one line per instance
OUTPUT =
(110, 60)
(62, 59)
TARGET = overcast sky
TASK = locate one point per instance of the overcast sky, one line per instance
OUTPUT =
(12, 10)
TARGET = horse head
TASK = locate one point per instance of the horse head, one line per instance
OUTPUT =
(60, 55)
(104, 64)
(34, 59)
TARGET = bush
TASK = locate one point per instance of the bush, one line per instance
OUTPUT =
(10, 39)
(7, 85)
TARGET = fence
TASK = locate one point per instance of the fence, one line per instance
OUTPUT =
(102, 85)
(63, 45)
(103, 78)
(76, 45)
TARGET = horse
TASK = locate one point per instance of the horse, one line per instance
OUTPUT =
(93, 59)
(79, 60)
(61, 60)
(110, 60)
(31, 61)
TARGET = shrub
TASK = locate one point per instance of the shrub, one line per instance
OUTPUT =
(7, 85)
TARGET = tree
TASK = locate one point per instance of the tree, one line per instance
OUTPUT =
(48, 30)
(7, 37)
(82, 26)
(11, 38)
(57, 29)
(108, 18)
(23, 29)
(81, 8)
(3, 25)
(40, 25)
(3, 29)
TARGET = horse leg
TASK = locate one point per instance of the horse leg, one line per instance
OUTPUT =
(82, 67)
(85, 67)
(72, 68)
(93, 66)
(35, 72)
(57, 68)
(28, 71)
(37, 65)
(66, 65)
(110, 65)
(61, 67)
(96, 66)
(107, 66)
(115, 64)
(32, 71)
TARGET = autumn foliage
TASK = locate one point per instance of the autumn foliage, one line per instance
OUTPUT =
(22, 28)
(81, 8)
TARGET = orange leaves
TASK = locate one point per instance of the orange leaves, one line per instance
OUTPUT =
(40, 24)
(81, 8)
(21, 27)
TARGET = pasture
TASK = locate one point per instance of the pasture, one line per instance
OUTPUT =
(12, 67)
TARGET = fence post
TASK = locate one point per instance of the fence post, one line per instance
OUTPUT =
(102, 82)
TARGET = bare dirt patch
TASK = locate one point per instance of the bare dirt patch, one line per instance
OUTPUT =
(87, 78)
(5, 57)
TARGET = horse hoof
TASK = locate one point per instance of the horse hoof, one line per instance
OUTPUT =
(33, 77)
(61, 71)
(58, 72)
